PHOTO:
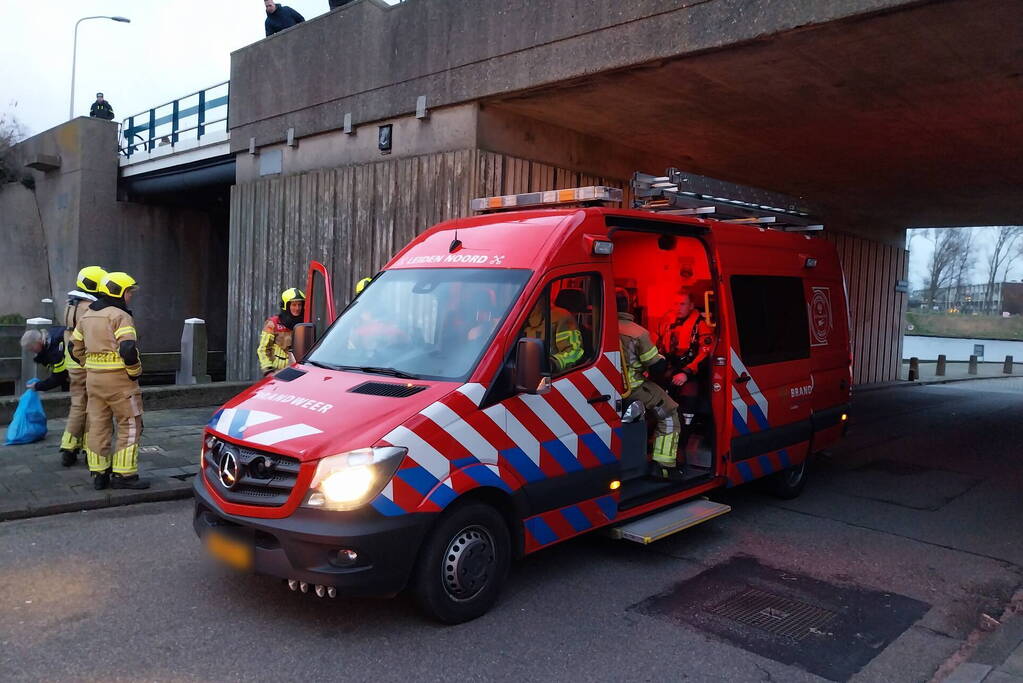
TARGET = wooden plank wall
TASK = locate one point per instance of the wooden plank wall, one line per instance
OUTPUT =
(877, 311)
(354, 218)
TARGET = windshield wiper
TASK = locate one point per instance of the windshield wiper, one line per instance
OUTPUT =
(325, 366)
(393, 372)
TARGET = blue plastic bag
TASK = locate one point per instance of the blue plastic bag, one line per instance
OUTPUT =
(29, 422)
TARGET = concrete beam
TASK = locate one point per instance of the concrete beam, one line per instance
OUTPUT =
(378, 59)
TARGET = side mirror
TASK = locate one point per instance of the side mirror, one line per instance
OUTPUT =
(529, 375)
(302, 339)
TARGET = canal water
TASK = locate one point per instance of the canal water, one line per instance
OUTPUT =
(928, 348)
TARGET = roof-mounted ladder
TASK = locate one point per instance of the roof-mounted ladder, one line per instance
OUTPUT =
(686, 194)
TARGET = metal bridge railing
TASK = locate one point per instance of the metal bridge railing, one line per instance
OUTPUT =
(189, 117)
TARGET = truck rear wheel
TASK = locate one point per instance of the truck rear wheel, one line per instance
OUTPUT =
(790, 482)
(463, 564)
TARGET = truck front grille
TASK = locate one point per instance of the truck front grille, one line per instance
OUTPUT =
(261, 478)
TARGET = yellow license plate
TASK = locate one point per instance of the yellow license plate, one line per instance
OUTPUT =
(230, 551)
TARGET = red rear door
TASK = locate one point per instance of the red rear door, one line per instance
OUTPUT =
(769, 372)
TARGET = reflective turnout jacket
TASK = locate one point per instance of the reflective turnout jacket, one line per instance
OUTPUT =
(567, 349)
(52, 358)
(638, 351)
(274, 344)
(77, 304)
(105, 339)
(686, 343)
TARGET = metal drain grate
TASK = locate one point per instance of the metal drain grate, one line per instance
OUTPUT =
(773, 613)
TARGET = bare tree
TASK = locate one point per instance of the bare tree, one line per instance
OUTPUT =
(11, 134)
(964, 262)
(947, 259)
(1004, 251)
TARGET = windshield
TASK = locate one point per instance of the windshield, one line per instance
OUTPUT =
(430, 323)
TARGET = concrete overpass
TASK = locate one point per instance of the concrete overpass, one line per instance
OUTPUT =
(158, 217)
(886, 113)
(148, 196)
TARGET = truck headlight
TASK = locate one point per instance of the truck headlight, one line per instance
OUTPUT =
(349, 480)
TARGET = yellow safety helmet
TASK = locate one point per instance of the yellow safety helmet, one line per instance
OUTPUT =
(116, 284)
(291, 294)
(90, 278)
(361, 284)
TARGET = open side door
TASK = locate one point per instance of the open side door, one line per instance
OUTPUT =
(319, 305)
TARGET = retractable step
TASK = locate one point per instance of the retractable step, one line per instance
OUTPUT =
(655, 527)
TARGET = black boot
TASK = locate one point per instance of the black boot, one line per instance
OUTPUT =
(101, 480)
(68, 458)
(668, 472)
(131, 481)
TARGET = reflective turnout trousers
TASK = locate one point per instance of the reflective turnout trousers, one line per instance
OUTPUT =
(75, 431)
(666, 437)
(638, 356)
(113, 396)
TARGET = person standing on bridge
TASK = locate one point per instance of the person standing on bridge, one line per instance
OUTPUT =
(279, 17)
(105, 342)
(101, 109)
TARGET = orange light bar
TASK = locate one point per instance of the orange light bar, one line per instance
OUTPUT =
(592, 193)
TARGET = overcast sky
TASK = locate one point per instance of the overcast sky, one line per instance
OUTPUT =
(168, 50)
(920, 250)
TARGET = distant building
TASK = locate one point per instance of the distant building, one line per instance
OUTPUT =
(1003, 297)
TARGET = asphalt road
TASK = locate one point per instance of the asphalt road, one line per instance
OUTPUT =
(918, 516)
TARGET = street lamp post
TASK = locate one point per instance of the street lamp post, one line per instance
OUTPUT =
(74, 58)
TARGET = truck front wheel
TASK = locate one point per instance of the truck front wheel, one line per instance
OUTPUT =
(790, 482)
(463, 563)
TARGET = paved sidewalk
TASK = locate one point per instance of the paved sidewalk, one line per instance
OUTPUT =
(998, 659)
(33, 482)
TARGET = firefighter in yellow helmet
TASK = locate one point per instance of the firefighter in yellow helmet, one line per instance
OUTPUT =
(274, 349)
(361, 284)
(640, 360)
(105, 342)
(567, 349)
(78, 301)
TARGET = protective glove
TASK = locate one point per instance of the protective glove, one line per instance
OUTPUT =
(31, 383)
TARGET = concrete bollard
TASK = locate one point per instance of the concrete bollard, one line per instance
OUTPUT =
(973, 365)
(29, 369)
(1007, 368)
(914, 369)
(939, 370)
(47, 310)
(192, 369)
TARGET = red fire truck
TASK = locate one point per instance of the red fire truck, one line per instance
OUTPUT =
(425, 440)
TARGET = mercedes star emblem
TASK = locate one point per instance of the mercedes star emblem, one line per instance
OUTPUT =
(228, 469)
